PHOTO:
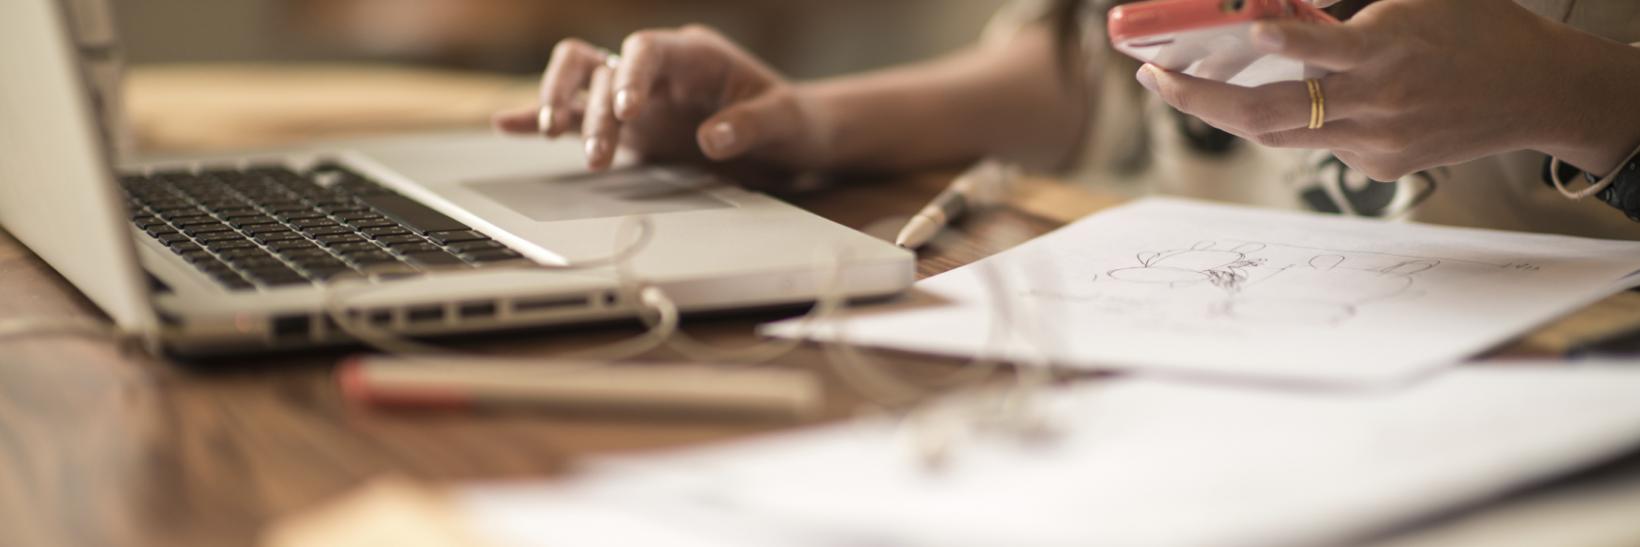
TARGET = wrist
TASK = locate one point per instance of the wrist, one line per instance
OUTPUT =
(819, 115)
(1597, 91)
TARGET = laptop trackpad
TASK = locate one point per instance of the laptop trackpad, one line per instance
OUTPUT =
(599, 195)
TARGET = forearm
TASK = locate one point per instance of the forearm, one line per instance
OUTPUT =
(1009, 100)
(1598, 100)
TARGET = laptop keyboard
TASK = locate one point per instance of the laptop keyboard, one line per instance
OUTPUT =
(269, 226)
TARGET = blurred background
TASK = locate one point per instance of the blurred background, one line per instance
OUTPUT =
(236, 73)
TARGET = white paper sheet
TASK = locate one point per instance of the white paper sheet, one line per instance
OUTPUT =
(1188, 286)
(1135, 463)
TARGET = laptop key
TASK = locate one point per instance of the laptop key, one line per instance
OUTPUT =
(401, 238)
(472, 246)
(158, 229)
(200, 231)
(343, 208)
(349, 250)
(185, 247)
(302, 215)
(194, 220)
(357, 216)
(371, 223)
(176, 212)
(318, 222)
(415, 247)
(291, 244)
(276, 237)
(265, 228)
(495, 255)
(446, 238)
(326, 230)
(218, 236)
(378, 232)
(229, 245)
(171, 238)
(337, 239)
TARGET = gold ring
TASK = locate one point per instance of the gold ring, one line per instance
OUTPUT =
(1318, 104)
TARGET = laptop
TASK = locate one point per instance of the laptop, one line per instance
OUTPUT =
(421, 235)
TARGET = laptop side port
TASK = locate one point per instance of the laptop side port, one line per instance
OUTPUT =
(292, 327)
(477, 310)
(424, 314)
(548, 304)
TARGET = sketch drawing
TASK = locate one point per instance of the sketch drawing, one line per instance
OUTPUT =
(1325, 291)
(1202, 262)
(1305, 288)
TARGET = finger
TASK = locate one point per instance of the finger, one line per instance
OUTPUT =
(768, 120)
(1336, 48)
(569, 72)
(600, 128)
(1242, 110)
(517, 121)
(643, 56)
(1340, 135)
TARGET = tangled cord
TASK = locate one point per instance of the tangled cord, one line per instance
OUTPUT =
(935, 428)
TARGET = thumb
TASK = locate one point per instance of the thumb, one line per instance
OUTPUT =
(746, 126)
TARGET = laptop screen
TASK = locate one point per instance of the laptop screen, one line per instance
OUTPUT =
(57, 193)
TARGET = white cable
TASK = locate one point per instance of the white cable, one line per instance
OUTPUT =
(1597, 186)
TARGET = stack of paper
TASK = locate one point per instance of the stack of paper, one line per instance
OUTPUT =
(1182, 286)
(1135, 463)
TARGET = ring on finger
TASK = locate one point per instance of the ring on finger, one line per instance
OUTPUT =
(1318, 104)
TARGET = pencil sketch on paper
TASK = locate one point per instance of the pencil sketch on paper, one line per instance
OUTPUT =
(1324, 291)
(1202, 262)
(1308, 286)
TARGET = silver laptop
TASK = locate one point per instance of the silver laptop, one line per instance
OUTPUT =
(215, 255)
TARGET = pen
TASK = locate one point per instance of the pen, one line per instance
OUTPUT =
(977, 187)
(434, 382)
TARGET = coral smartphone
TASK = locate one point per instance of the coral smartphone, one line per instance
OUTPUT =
(1210, 38)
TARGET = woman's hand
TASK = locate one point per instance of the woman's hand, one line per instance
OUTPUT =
(1417, 84)
(684, 94)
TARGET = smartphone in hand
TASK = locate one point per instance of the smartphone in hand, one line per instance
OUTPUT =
(1211, 38)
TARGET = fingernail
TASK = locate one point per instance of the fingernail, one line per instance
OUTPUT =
(543, 121)
(1147, 77)
(1268, 37)
(721, 138)
(623, 103)
(595, 148)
